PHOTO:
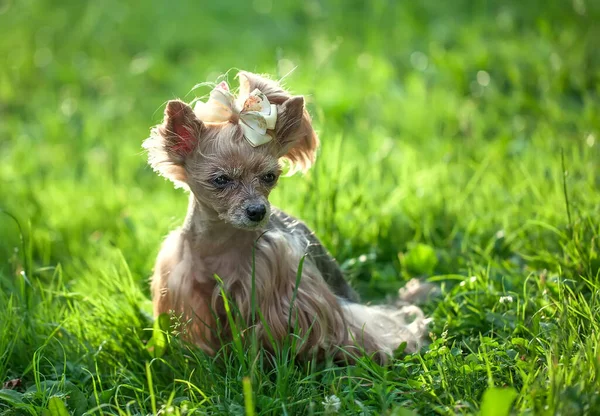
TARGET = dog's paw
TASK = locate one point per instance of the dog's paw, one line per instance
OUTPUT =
(416, 292)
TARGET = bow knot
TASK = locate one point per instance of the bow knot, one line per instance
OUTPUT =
(256, 114)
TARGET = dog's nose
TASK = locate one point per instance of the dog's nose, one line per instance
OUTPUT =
(256, 212)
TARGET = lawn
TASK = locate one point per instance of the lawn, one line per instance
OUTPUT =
(460, 145)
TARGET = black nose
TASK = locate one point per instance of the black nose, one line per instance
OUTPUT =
(256, 212)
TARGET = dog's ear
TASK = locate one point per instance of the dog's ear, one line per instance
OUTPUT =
(180, 130)
(295, 134)
(172, 142)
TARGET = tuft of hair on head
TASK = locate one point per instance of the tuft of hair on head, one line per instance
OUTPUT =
(294, 133)
(172, 142)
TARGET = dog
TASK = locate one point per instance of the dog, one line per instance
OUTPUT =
(233, 245)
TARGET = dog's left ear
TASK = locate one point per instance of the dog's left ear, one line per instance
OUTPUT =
(295, 134)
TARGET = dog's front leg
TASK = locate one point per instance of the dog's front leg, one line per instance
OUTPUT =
(177, 291)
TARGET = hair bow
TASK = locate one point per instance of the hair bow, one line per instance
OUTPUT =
(255, 113)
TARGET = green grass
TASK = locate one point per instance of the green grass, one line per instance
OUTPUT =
(444, 126)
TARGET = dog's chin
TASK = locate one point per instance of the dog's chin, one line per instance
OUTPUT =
(244, 223)
(250, 225)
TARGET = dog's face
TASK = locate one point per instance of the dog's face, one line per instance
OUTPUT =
(234, 179)
(226, 174)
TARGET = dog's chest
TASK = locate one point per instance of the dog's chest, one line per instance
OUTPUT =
(226, 265)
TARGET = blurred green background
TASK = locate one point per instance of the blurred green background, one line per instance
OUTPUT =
(442, 128)
(428, 112)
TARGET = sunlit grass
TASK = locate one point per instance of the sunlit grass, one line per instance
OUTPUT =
(444, 128)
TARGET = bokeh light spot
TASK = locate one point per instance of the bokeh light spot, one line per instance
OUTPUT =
(364, 61)
(590, 140)
(483, 78)
(140, 64)
(68, 106)
(43, 57)
(285, 66)
(419, 61)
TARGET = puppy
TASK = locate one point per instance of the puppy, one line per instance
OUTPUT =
(228, 153)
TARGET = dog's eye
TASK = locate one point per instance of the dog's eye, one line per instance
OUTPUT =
(222, 180)
(268, 177)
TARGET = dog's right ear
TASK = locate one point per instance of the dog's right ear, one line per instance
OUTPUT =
(172, 142)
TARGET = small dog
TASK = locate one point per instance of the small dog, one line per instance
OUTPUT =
(227, 152)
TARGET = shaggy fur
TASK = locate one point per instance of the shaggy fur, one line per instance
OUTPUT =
(218, 237)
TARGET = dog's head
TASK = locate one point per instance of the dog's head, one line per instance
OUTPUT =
(223, 170)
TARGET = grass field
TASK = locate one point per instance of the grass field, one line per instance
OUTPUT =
(460, 143)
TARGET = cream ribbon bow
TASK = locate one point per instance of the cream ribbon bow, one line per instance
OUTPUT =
(256, 114)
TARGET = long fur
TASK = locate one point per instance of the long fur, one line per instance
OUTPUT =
(217, 239)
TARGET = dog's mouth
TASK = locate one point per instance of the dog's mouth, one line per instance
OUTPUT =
(251, 226)
(257, 227)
